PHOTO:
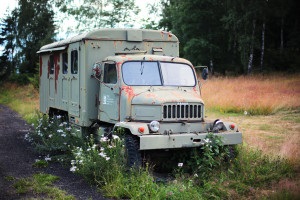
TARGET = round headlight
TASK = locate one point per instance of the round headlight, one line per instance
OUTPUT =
(154, 126)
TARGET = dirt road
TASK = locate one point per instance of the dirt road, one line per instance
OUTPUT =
(17, 157)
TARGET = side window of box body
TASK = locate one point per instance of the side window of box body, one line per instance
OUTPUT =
(51, 63)
(65, 64)
(74, 62)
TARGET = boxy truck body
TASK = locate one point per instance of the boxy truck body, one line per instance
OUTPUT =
(128, 78)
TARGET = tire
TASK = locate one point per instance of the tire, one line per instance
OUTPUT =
(232, 153)
(133, 158)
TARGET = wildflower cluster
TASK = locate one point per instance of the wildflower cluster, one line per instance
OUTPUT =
(96, 161)
(53, 136)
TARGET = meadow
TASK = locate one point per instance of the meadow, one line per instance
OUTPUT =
(267, 110)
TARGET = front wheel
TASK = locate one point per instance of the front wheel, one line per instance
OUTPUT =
(133, 156)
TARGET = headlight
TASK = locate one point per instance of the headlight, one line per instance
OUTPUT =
(154, 126)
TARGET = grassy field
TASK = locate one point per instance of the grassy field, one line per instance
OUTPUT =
(267, 110)
(22, 99)
(254, 95)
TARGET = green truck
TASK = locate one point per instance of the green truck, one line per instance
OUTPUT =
(131, 79)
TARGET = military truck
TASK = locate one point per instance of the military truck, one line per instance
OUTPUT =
(131, 79)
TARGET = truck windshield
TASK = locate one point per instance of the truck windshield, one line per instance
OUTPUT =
(158, 73)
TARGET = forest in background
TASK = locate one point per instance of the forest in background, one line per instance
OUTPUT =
(231, 37)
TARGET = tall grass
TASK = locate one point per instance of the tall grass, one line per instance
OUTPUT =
(256, 95)
(22, 99)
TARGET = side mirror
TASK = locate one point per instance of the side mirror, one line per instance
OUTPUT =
(205, 74)
(97, 70)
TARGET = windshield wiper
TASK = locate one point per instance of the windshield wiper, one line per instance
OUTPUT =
(142, 68)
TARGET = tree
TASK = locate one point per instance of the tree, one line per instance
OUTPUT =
(92, 14)
(8, 39)
(199, 29)
(35, 29)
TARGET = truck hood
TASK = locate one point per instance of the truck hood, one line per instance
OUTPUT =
(158, 96)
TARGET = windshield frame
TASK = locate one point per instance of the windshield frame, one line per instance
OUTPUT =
(160, 73)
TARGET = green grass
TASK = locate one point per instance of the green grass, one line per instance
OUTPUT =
(22, 99)
(41, 186)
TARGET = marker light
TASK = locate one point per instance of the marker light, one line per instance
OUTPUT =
(141, 129)
(154, 126)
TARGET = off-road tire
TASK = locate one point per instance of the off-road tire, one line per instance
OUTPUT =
(133, 156)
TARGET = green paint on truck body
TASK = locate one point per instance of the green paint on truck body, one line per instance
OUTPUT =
(127, 78)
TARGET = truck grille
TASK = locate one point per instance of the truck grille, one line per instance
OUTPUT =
(182, 111)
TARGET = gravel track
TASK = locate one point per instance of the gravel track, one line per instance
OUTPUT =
(17, 157)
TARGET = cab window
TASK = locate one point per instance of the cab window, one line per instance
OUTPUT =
(110, 73)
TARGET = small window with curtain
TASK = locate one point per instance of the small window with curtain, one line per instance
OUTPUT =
(51, 67)
(74, 62)
(65, 62)
(110, 73)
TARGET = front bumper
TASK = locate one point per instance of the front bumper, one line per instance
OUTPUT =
(185, 140)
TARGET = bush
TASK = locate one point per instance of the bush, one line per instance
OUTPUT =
(53, 136)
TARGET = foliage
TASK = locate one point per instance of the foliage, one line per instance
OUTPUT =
(42, 186)
(23, 32)
(93, 14)
(227, 35)
(53, 136)
(99, 163)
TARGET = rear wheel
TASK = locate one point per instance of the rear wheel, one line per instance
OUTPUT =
(132, 155)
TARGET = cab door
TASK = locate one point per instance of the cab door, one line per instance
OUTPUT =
(74, 104)
(109, 94)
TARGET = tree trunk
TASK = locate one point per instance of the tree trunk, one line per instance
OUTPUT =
(281, 35)
(211, 66)
(262, 45)
(251, 49)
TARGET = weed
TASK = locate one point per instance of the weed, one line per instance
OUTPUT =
(41, 184)
(40, 164)
(9, 178)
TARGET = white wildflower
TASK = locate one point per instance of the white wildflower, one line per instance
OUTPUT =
(58, 116)
(195, 175)
(104, 139)
(61, 124)
(245, 112)
(63, 135)
(73, 168)
(110, 147)
(107, 158)
(60, 131)
(47, 158)
(88, 149)
(68, 128)
(73, 162)
(180, 164)
(50, 136)
(101, 149)
(115, 137)
(102, 154)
